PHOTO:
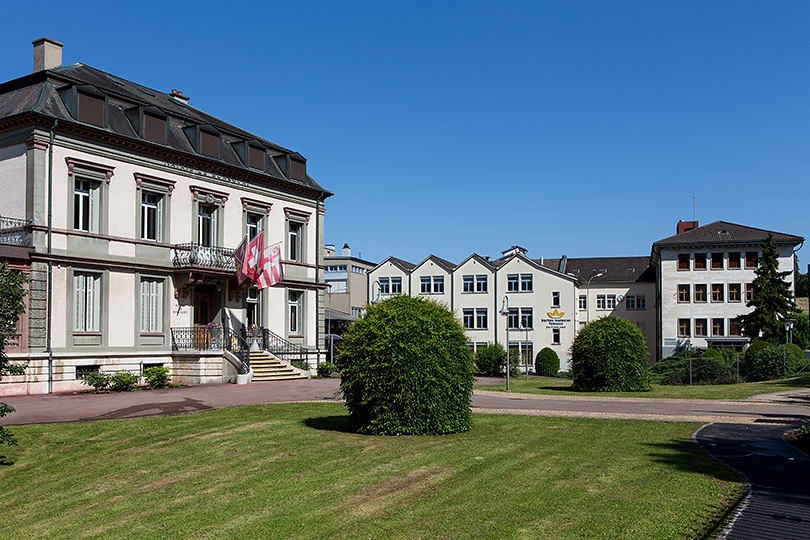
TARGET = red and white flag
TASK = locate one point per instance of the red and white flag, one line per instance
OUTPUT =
(271, 267)
(252, 265)
(239, 258)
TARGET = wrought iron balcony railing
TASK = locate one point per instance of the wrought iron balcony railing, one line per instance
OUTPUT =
(15, 232)
(206, 257)
(201, 338)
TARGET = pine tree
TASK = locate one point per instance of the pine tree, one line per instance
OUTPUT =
(771, 298)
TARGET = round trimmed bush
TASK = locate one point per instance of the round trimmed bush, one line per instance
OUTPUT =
(490, 359)
(405, 369)
(546, 363)
(610, 355)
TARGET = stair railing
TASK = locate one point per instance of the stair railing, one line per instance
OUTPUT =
(284, 350)
(200, 338)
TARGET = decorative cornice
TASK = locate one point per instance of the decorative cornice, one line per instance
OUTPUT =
(297, 213)
(208, 195)
(168, 184)
(35, 143)
(258, 204)
(107, 170)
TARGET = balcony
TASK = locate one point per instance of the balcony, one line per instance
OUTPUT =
(210, 258)
(15, 232)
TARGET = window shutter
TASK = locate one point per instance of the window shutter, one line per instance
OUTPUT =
(79, 301)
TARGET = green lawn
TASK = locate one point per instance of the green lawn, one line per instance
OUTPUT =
(295, 471)
(562, 387)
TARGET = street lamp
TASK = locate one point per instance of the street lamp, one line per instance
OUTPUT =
(375, 299)
(505, 312)
(594, 274)
(788, 339)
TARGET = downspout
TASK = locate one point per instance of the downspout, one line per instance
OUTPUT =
(318, 261)
(50, 260)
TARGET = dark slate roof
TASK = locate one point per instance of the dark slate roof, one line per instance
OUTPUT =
(447, 265)
(723, 232)
(38, 93)
(616, 269)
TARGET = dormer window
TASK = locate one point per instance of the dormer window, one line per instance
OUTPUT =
(91, 108)
(209, 143)
(154, 128)
(298, 169)
(256, 157)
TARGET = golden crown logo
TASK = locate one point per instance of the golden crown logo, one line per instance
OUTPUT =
(555, 314)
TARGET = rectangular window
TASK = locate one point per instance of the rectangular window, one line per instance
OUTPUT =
(600, 301)
(481, 283)
(717, 261)
(151, 216)
(583, 301)
(749, 292)
(701, 292)
(86, 302)
(683, 293)
(438, 284)
(734, 260)
(611, 301)
(555, 299)
(469, 318)
(642, 327)
(295, 304)
(481, 318)
(630, 302)
(717, 292)
(718, 327)
(86, 205)
(295, 238)
(751, 259)
(700, 261)
(385, 285)
(253, 225)
(396, 285)
(733, 328)
(151, 305)
(701, 328)
(425, 285)
(683, 328)
(526, 283)
(734, 292)
(207, 225)
(641, 301)
(513, 319)
(526, 318)
(468, 284)
(512, 283)
(683, 261)
(555, 336)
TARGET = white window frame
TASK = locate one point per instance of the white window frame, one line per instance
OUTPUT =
(438, 284)
(468, 318)
(526, 282)
(151, 304)
(396, 285)
(481, 283)
(87, 302)
(512, 282)
(424, 285)
(555, 299)
(295, 304)
(555, 336)
(481, 318)
(526, 318)
(468, 284)
(583, 302)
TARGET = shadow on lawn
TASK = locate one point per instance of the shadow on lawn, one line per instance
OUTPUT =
(687, 457)
(5, 461)
(330, 423)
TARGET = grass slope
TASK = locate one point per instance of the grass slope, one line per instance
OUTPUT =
(294, 471)
(562, 387)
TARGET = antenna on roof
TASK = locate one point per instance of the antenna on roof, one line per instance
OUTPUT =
(694, 206)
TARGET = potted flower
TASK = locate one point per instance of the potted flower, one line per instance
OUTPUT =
(255, 331)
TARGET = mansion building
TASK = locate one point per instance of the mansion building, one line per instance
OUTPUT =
(123, 205)
(685, 294)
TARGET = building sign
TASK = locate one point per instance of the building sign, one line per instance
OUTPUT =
(556, 319)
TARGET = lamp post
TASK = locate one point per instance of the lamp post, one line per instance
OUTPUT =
(375, 299)
(528, 356)
(505, 312)
(788, 335)
(594, 274)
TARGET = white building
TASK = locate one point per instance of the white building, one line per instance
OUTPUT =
(134, 201)
(704, 276)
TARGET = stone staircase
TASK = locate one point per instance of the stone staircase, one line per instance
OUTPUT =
(267, 367)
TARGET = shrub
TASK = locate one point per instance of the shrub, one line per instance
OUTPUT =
(123, 381)
(325, 369)
(490, 359)
(610, 355)
(99, 381)
(156, 376)
(770, 363)
(708, 369)
(406, 370)
(546, 363)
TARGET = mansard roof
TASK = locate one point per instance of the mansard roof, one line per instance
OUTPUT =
(39, 98)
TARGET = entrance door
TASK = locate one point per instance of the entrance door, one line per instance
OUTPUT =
(202, 316)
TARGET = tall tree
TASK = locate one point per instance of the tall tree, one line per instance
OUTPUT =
(12, 305)
(802, 283)
(772, 298)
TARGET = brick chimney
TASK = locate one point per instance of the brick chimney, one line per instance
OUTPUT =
(684, 226)
(47, 54)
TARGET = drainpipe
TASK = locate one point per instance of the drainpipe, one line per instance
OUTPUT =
(318, 260)
(50, 261)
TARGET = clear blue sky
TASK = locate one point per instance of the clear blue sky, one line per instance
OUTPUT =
(576, 128)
